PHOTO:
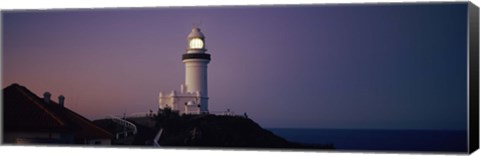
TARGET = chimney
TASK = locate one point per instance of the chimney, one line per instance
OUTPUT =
(61, 100)
(46, 97)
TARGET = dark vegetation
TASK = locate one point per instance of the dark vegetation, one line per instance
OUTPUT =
(204, 130)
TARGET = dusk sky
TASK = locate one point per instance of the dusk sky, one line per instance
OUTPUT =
(318, 66)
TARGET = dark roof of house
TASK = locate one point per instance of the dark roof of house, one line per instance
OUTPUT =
(26, 112)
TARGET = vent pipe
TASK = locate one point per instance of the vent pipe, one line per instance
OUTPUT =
(61, 100)
(46, 97)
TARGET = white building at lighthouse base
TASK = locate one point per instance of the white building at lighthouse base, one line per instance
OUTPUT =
(184, 102)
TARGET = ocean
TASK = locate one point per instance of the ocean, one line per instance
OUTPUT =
(380, 140)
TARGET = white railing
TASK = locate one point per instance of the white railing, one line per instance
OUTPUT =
(128, 126)
(229, 113)
(224, 113)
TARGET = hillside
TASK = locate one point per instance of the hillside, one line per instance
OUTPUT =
(206, 131)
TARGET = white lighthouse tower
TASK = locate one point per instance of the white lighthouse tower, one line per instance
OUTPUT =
(193, 95)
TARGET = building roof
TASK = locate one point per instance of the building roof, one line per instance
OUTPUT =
(26, 112)
(196, 33)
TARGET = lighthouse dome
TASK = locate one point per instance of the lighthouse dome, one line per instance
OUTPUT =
(196, 33)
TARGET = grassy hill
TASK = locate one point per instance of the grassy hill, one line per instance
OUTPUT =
(205, 131)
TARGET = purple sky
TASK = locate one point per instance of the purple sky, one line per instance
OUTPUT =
(330, 66)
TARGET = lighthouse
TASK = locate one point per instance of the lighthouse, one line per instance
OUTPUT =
(193, 95)
(196, 61)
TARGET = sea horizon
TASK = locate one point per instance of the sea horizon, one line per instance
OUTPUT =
(415, 129)
(379, 139)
